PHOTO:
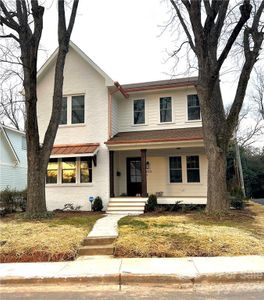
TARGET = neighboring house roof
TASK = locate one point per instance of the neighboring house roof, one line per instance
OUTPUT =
(74, 150)
(160, 84)
(3, 128)
(164, 135)
(52, 58)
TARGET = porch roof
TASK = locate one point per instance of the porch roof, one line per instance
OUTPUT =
(74, 150)
(157, 136)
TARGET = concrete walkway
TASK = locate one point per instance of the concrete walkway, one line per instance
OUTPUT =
(106, 227)
(128, 271)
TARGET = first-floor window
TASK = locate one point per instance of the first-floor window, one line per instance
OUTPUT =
(193, 169)
(85, 170)
(175, 169)
(68, 170)
(52, 171)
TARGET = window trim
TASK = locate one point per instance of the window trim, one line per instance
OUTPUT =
(187, 112)
(78, 174)
(182, 179)
(199, 169)
(145, 115)
(184, 169)
(172, 110)
(69, 111)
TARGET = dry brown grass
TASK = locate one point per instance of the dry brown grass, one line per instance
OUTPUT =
(192, 234)
(56, 239)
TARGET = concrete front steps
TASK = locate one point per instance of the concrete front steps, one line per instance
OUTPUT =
(126, 205)
(97, 246)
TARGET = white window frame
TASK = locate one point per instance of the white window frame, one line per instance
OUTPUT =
(199, 161)
(181, 156)
(78, 176)
(187, 114)
(145, 114)
(172, 110)
(69, 111)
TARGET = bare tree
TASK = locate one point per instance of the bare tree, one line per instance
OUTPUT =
(22, 21)
(258, 93)
(203, 22)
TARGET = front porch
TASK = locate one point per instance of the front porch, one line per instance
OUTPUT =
(137, 173)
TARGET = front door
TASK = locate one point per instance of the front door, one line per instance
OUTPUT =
(134, 176)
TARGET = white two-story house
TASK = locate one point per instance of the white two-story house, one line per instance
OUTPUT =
(122, 142)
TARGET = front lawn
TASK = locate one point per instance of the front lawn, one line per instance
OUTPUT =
(192, 234)
(53, 239)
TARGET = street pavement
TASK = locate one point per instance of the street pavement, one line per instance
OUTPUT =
(260, 201)
(80, 292)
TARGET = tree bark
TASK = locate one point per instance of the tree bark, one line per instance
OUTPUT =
(217, 198)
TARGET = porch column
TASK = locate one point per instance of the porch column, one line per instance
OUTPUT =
(111, 173)
(144, 172)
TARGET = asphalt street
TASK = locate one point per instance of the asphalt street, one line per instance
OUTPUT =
(245, 291)
(260, 201)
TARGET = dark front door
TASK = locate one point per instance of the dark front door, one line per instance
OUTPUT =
(134, 176)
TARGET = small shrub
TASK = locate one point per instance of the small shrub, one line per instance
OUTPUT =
(12, 200)
(97, 204)
(237, 200)
(38, 216)
(71, 207)
(152, 203)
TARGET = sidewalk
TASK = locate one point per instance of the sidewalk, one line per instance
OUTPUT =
(125, 271)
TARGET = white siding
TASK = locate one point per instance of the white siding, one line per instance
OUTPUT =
(115, 115)
(152, 113)
(79, 78)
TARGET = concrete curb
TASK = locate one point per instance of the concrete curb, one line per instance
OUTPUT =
(143, 279)
(134, 271)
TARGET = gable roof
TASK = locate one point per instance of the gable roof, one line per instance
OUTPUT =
(53, 56)
(13, 151)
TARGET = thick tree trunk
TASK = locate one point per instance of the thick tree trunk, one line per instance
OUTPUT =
(217, 197)
(36, 203)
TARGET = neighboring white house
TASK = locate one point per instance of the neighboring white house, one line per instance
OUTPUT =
(122, 142)
(13, 158)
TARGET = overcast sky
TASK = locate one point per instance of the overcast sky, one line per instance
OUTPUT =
(123, 38)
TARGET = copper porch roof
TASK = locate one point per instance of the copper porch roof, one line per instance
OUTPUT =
(152, 136)
(74, 149)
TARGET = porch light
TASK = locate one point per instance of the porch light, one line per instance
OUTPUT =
(147, 165)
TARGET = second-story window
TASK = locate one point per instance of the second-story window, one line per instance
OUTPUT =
(193, 108)
(77, 109)
(139, 111)
(63, 116)
(165, 110)
(72, 110)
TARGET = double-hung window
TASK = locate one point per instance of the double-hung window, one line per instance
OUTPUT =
(193, 168)
(72, 110)
(165, 109)
(175, 169)
(63, 116)
(77, 112)
(194, 112)
(139, 111)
